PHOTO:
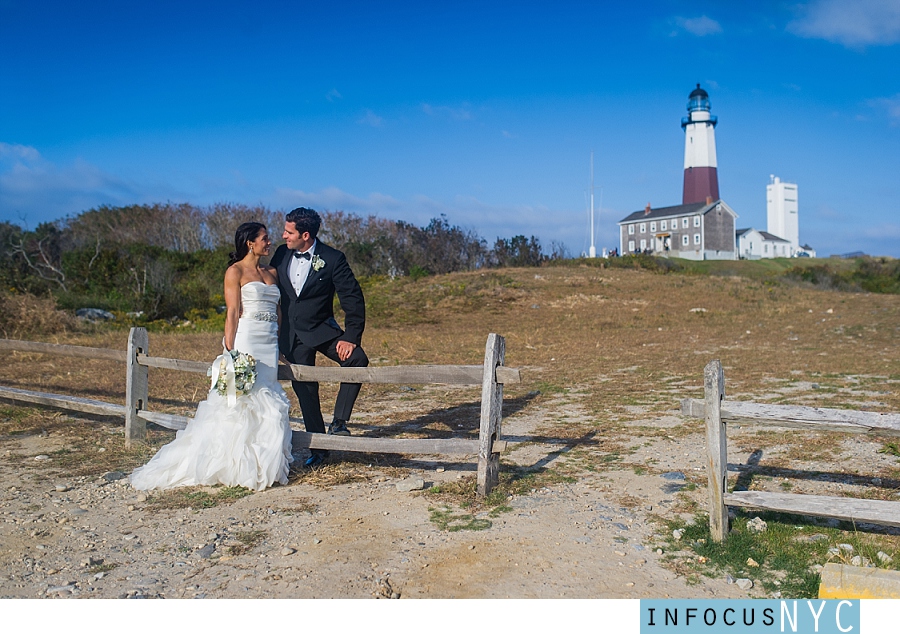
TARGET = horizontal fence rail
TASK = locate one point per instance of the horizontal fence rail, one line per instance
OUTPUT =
(63, 350)
(399, 374)
(883, 512)
(799, 417)
(491, 376)
(62, 401)
(302, 439)
(719, 413)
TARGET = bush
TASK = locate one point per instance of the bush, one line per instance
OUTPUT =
(23, 315)
(875, 275)
(166, 259)
(630, 261)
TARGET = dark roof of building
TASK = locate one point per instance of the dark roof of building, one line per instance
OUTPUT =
(666, 212)
(765, 234)
(771, 236)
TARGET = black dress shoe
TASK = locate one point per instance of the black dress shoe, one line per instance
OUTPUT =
(316, 458)
(338, 427)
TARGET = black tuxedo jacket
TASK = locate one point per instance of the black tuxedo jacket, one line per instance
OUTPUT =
(310, 316)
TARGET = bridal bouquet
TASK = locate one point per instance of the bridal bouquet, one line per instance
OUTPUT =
(233, 374)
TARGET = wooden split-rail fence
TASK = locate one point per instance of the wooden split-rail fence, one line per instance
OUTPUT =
(492, 375)
(719, 413)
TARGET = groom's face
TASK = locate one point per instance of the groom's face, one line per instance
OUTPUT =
(294, 239)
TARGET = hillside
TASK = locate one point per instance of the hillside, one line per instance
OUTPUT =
(606, 356)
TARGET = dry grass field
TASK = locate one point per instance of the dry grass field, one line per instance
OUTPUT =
(606, 357)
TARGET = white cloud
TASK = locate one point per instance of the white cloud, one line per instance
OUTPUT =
(891, 105)
(855, 23)
(333, 94)
(372, 119)
(463, 113)
(699, 26)
(37, 190)
(9, 151)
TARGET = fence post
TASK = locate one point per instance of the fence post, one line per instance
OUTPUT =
(491, 416)
(136, 387)
(716, 449)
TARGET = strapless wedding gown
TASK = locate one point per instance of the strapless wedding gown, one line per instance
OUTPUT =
(248, 444)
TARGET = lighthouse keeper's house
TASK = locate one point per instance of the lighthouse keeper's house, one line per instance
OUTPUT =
(694, 231)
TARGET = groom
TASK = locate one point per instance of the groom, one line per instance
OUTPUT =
(309, 274)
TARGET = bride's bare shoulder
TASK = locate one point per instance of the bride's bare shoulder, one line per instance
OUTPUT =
(233, 275)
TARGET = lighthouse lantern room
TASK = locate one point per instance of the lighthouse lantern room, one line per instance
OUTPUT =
(701, 182)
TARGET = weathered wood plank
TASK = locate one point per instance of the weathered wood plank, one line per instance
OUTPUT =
(488, 475)
(62, 401)
(716, 449)
(416, 374)
(389, 445)
(872, 511)
(302, 439)
(136, 387)
(63, 350)
(801, 417)
(182, 365)
(693, 407)
(397, 374)
(177, 422)
(169, 421)
(845, 581)
(508, 375)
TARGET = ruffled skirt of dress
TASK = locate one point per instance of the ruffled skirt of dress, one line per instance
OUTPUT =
(248, 444)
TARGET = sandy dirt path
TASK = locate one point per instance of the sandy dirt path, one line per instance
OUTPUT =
(97, 537)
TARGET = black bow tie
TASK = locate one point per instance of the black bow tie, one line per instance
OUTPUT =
(305, 256)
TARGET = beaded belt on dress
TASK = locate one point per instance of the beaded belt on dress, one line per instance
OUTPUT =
(265, 316)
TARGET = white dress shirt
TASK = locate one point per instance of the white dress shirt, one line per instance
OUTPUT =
(299, 268)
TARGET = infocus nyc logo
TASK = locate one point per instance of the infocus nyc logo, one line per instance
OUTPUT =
(746, 616)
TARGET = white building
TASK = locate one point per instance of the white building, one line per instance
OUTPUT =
(782, 212)
(754, 245)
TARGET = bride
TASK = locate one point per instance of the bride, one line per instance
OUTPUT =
(247, 443)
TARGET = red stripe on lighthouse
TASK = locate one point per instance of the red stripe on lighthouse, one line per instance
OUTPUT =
(700, 183)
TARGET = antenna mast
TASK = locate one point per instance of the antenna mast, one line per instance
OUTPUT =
(593, 251)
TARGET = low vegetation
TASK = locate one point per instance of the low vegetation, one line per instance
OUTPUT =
(196, 497)
(460, 509)
(785, 559)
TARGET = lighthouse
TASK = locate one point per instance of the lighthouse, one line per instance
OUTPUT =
(701, 182)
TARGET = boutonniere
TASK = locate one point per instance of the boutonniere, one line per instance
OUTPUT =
(317, 262)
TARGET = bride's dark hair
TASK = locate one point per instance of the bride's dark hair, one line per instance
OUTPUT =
(247, 232)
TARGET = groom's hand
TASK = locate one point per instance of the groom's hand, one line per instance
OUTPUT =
(344, 349)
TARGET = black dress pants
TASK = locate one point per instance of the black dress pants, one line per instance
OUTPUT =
(308, 391)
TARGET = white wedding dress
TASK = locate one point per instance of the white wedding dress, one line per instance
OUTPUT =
(248, 444)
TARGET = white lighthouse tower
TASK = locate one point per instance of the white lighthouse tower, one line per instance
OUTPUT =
(782, 211)
(701, 180)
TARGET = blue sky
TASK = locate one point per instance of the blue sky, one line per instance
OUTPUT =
(484, 111)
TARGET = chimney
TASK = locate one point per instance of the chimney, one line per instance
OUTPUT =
(647, 210)
(709, 200)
